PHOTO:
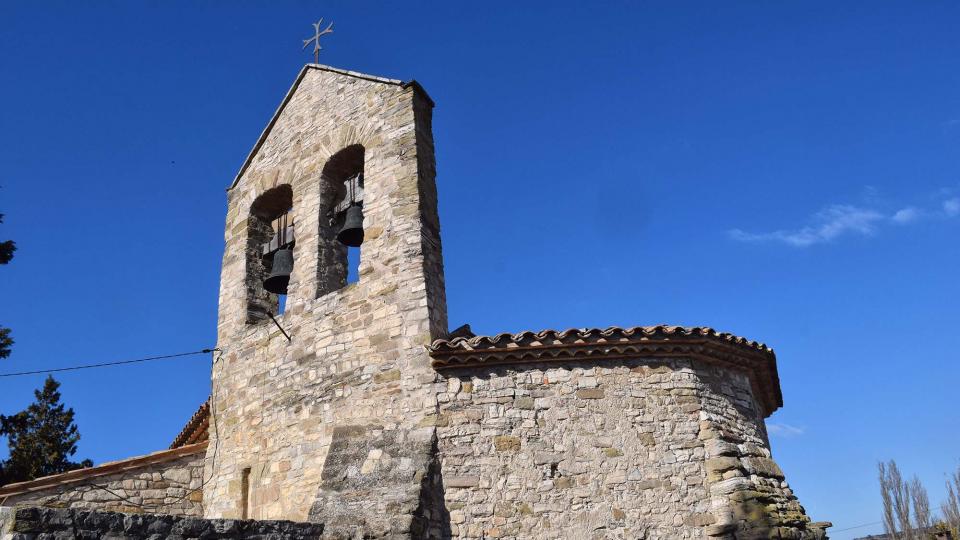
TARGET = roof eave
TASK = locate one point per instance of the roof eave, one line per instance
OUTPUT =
(112, 467)
(614, 343)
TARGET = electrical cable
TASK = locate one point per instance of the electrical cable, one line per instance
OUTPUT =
(92, 485)
(856, 527)
(106, 364)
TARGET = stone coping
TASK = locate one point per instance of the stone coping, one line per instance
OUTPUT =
(596, 344)
(38, 522)
(293, 88)
(111, 467)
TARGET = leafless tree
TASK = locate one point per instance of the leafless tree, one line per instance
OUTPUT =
(889, 519)
(921, 506)
(896, 502)
(951, 507)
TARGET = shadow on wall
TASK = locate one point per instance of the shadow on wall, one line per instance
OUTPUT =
(384, 483)
(432, 519)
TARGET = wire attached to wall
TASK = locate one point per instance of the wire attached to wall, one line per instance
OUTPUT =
(91, 485)
(107, 364)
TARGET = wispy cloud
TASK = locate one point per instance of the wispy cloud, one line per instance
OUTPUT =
(784, 430)
(847, 220)
(951, 207)
(906, 215)
(830, 223)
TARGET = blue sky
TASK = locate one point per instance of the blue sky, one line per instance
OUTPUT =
(786, 171)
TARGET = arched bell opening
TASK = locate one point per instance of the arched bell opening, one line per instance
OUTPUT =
(341, 219)
(269, 254)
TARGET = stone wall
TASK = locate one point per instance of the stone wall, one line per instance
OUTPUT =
(168, 487)
(658, 448)
(337, 414)
(31, 523)
(749, 495)
(347, 423)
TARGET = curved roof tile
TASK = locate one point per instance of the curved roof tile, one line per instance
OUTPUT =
(614, 333)
(196, 429)
(588, 344)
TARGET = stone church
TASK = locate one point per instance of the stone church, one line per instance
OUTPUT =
(344, 407)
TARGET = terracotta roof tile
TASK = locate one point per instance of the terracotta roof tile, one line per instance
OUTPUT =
(111, 467)
(196, 429)
(614, 333)
(584, 344)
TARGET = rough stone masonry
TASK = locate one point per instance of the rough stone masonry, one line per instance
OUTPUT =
(373, 420)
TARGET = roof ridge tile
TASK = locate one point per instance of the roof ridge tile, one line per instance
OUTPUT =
(663, 330)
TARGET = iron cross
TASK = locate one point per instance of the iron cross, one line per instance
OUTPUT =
(316, 39)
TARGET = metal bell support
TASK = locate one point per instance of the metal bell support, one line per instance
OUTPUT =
(351, 234)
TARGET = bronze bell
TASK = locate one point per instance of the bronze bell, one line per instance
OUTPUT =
(351, 234)
(279, 276)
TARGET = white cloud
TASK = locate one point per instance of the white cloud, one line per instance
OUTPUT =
(845, 219)
(906, 215)
(951, 207)
(784, 430)
(831, 223)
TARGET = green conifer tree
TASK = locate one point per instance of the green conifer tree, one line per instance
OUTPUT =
(7, 248)
(42, 438)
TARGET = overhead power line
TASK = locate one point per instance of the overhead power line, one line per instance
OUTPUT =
(106, 364)
(857, 527)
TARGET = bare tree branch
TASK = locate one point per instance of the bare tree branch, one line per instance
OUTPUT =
(896, 503)
(921, 507)
(886, 493)
(951, 507)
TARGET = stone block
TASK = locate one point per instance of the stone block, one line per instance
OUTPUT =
(524, 402)
(461, 481)
(763, 467)
(506, 443)
(590, 393)
(721, 464)
(562, 483)
(700, 519)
